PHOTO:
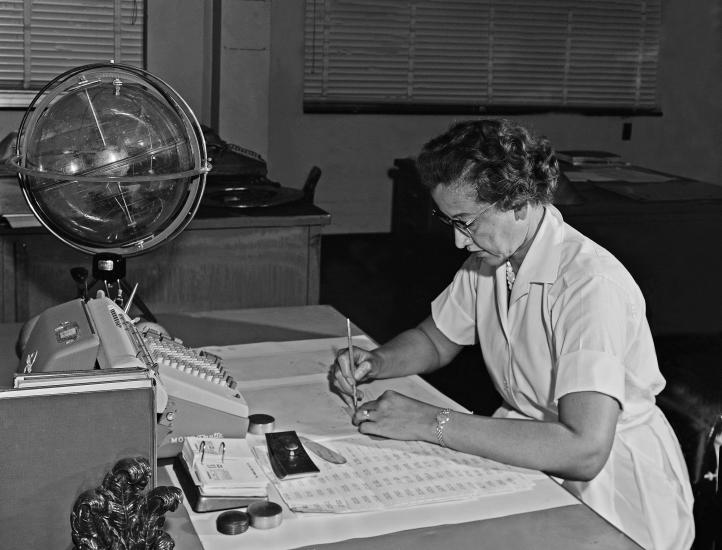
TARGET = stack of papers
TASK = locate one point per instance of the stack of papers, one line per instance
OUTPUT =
(13, 207)
(385, 474)
(224, 467)
(78, 377)
(579, 157)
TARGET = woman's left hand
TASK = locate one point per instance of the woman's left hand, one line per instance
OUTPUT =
(397, 416)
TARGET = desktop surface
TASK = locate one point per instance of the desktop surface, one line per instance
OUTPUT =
(572, 526)
(658, 225)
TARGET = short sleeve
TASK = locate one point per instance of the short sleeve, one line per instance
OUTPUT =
(591, 330)
(454, 309)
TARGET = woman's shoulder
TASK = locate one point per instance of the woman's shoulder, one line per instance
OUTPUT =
(474, 267)
(582, 260)
(473, 277)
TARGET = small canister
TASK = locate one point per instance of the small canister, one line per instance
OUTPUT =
(265, 514)
(260, 424)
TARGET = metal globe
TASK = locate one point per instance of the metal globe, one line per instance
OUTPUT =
(111, 159)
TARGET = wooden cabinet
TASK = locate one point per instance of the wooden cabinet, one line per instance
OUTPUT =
(666, 233)
(668, 239)
(263, 258)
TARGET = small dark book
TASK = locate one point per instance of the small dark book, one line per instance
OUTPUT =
(287, 456)
(61, 441)
(208, 503)
(578, 157)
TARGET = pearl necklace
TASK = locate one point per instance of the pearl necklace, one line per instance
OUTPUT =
(510, 275)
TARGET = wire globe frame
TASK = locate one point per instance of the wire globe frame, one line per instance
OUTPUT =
(193, 176)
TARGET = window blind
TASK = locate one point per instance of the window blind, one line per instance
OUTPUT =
(40, 39)
(481, 55)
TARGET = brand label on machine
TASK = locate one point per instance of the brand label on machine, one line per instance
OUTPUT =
(67, 332)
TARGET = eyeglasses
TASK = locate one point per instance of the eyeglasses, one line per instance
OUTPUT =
(463, 227)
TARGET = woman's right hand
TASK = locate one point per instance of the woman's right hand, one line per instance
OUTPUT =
(343, 376)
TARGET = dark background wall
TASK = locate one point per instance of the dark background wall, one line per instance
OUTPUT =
(259, 101)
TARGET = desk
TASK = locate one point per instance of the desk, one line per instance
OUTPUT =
(569, 527)
(669, 246)
(223, 259)
(573, 527)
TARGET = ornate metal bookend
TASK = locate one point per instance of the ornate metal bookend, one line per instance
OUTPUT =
(117, 516)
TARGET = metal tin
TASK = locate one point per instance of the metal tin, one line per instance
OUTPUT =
(265, 515)
(260, 424)
(233, 522)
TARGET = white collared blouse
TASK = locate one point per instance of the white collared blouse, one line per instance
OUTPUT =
(576, 321)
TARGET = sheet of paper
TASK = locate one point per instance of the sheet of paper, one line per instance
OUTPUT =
(283, 378)
(615, 173)
(272, 360)
(289, 380)
(381, 474)
(307, 406)
(297, 530)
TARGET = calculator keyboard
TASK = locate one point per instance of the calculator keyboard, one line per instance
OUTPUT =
(171, 354)
(202, 397)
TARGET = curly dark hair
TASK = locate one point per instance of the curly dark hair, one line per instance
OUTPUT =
(501, 159)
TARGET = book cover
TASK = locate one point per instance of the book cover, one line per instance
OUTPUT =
(74, 377)
(209, 503)
(578, 157)
(59, 442)
(223, 467)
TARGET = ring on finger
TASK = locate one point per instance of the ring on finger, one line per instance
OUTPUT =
(365, 413)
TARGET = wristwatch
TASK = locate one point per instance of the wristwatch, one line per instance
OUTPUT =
(442, 418)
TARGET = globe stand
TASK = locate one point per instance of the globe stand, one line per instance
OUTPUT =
(111, 160)
(109, 269)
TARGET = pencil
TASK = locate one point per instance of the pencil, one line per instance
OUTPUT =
(351, 362)
(130, 298)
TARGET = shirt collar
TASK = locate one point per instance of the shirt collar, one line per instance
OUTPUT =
(541, 263)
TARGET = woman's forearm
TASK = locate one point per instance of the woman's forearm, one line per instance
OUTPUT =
(574, 447)
(410, 352)
(418, 350)
(547, 446)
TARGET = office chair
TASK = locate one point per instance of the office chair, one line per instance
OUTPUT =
(692, 402)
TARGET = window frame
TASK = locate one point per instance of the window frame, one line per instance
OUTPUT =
(20, 97)
(318, 57)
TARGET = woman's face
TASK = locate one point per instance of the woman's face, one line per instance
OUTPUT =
(493, 234)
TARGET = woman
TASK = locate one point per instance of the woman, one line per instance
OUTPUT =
(562, 328)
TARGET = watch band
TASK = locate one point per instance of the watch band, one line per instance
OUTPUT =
(442, 419)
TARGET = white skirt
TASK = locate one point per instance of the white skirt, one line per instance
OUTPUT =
(644, 487)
